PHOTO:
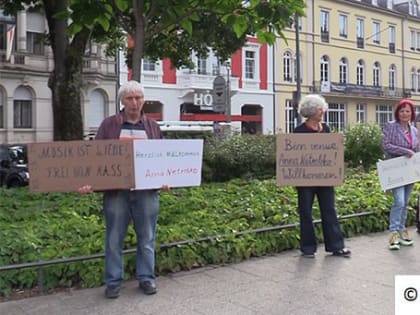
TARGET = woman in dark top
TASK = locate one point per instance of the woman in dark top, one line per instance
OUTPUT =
(313, 108)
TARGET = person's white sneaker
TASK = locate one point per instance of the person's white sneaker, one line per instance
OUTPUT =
(405, 239)
(394, 241)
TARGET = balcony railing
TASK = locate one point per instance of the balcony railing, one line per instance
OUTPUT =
(200, 81)
(360, 42)
(392, 48)
(359, 90)
(22, 61)
(325, 36)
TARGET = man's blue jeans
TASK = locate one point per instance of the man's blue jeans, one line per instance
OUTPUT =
(120, 207)
(398, 214)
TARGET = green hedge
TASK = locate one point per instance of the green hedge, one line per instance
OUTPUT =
(239, 156)
(36, 227)
(363, 146)
(254, 156)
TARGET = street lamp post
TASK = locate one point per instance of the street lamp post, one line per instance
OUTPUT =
(297, 95)
(117, 87)
(228, 104)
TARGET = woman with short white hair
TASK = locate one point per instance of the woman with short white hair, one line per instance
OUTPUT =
(313, 107)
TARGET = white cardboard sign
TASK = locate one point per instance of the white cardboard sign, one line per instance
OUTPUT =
(399, 171)
(176, 163)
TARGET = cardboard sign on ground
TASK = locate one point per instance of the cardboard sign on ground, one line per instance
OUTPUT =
(64, 166)
(310, 159)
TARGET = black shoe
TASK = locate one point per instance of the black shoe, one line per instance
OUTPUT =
(345, 252)
(148, 287)
(308, 255)
(112, 291)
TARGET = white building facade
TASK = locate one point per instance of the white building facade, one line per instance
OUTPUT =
(173, 96)
(25, 98)
(185, 97)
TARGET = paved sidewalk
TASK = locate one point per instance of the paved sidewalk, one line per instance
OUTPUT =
(280, 284)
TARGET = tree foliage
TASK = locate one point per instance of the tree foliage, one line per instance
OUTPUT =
(174, 29)
(160, 29)
(65, 81)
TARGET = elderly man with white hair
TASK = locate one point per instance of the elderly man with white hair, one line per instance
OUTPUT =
(122, 206)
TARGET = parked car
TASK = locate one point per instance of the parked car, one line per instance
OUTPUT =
(13, 165)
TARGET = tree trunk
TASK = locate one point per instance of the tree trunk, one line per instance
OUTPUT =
(65, 80)
(138, 52)
(66, 87)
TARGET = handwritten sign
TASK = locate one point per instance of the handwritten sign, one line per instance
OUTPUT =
(308, 159)
(68, 165)
(176, 163)
(399, 171)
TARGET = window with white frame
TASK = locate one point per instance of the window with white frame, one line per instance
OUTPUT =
(343, 28)
(413, 37)
(148, 65)
(384, 113)
(291, 120)
(209, 65)
(360, 73)
(417, 44)
(417, 110)
(361, 113)
(413, 81)
(389, 4)
(375, 2)
(287, 67)
(376, 74)
(392, 77)
(22, 114)
(35, 32)
(343, 70)
(250, 64)
(360, 28)
(335, 117)
(96, 110)
(35, 43)
(418, 80)
(215, 65)
(324, 75)
(201, 66)
(376, 32)
(325, 16)
(391, 34)
(22, 108)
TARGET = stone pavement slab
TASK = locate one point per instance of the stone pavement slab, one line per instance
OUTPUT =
(284, 283)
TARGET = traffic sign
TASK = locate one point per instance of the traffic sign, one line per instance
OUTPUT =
(219, 94)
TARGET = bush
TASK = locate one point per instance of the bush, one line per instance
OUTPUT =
(187, 134)
(254, 156)
(363, 145)
(42, 227)
(239, 156)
